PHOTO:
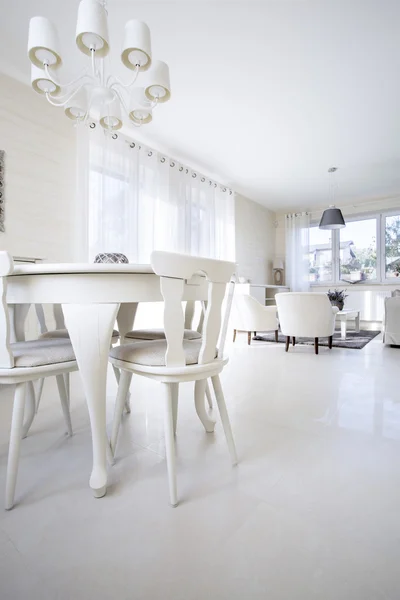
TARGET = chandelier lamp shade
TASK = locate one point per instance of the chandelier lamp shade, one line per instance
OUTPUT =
(96, 94)
(332, 217)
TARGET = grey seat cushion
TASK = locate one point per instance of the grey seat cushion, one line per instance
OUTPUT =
(63, 334)
(38, 353)
(159, 334)
(152, 353)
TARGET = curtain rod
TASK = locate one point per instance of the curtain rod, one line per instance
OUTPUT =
(172, 162)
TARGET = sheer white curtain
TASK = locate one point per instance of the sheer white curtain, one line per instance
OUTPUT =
(138, 200)
(297, 251)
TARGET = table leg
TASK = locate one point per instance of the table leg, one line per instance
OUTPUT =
(358, 323)
(90, 328)
(343, 327)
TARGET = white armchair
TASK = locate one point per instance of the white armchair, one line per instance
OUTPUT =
(391, 325)
(250, 315)
(304, 314)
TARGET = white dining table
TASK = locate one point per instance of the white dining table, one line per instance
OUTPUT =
(93, 297)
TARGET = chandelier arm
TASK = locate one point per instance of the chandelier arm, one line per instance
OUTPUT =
(124, 85)
(51, 99)
(120, 98)
(62, 85)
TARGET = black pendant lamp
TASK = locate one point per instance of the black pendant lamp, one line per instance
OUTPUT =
(332, 217)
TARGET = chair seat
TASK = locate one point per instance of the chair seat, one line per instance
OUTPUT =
(159, 334)
(38, 353)
(63, 334)
(152, 353)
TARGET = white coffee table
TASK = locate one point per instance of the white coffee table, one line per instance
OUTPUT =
(345, 315)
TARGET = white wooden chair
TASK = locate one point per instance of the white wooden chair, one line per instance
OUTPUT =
(175, 360)
(188, 334)
(21, 363)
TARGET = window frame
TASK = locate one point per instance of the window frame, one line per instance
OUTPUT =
(381, 278)
(389, 213)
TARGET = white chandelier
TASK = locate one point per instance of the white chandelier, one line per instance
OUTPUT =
(94, 91)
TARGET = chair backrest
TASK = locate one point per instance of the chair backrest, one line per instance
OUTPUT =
(6, 268)
(57, 315)
(174, 271)
(305, 314)
(246, 307)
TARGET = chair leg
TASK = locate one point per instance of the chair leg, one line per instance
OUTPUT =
(208, 395)
(124, 383)
(199, 393)
(249, 337)
(64, 402)
(15, 441)
(316, 345)
(67, 388)
(128, 395)
(287, 343)
(330, 341)
(39, 390)
(276, 335)
(30, 408)
(224, 418)
(255, 333)
(293, 341)
(170, 442)
(175, 397)
(234, 334)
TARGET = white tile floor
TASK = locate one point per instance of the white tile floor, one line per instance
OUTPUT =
(311, 512)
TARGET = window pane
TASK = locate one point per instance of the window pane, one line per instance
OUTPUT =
(392, 246)
(358, 250)
(320, 255)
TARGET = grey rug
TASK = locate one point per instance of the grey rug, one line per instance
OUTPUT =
(353, 339)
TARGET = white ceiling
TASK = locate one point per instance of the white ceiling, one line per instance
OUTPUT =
(265, 95)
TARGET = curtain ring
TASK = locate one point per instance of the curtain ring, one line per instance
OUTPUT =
(181, 169)
(194, 175)
(203, 179)
(150, 153)
(215, 185)
(172, 164)
(114, 136)
(92, 125)
(187, 171)
(132, 145)
(162, 160)
(230, 192)
(224, 189)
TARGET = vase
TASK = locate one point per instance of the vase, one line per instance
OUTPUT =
(338, 303)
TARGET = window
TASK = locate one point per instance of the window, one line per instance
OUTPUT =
(366, 250)
(392, 246)
(320, 255)
(358, 260)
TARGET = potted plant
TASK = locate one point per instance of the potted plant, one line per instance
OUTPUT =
(337, 298)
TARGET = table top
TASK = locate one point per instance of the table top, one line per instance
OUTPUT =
(348, 311)
(72, 268)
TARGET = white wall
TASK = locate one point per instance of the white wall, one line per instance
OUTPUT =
(39, 174)
(255, 240)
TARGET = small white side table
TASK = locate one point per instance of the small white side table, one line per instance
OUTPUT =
(344, 316)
